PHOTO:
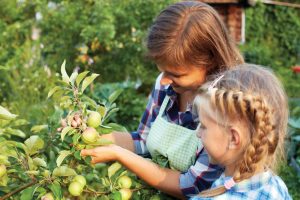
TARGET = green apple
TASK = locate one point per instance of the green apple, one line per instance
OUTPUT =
(2, 170)
(80, 179)
(75, 188)
(94, 119)
(89, 135)
(48, 196)
(125, 193)
(125, 182)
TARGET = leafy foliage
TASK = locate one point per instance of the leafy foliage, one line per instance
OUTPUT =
(272, 39)
(49, 162)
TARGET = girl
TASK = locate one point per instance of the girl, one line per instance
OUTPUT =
(243, 125)
(188, 41)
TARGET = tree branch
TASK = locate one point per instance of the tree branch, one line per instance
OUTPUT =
(18, 190)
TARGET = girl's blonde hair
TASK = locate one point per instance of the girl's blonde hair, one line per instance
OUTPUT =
(192, 32)
(254, 94)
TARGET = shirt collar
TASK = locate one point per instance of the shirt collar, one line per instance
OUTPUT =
(170, 91)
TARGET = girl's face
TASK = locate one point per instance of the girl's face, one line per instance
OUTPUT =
(224, 141)
(214, 137)
(182, 78)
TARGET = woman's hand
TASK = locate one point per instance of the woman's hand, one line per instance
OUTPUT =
(102, 154)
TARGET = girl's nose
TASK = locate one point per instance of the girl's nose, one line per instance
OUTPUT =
(165, 80)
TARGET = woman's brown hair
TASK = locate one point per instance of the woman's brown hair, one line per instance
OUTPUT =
(192, 32)
(253, 94)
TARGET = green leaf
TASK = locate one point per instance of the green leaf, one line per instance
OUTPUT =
(77, 155)
(295, 123)
(296, 138)
(42, 191)
(75, 138)
(34, 144)
(112, 169)
(4, 180)
(117, 127)
(65, 131)
(73, 77)
(64, 171)
(19, 122)
(101, 142)
(62, 155)
(64, 74)
(114, 95)
(5, 114)
(28, 193)
(15, 132)
(39, 162)
(90, 101)
(53, 90)
(117, 196)
(56, 190)
(39, 128)
(87, 81)
(80, 77)
(32, 166)
(4, 67)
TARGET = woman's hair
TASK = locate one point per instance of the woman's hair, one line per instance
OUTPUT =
(192, 32)
(251, 93)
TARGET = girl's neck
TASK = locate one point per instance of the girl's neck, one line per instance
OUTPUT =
(230, 169)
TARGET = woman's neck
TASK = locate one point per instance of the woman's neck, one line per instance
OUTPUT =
(184, 99)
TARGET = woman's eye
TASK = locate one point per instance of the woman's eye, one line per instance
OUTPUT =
(202, 126)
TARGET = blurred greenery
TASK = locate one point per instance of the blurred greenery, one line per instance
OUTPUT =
(108, 37)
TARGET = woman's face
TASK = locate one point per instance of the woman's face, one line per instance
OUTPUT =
(182, 78)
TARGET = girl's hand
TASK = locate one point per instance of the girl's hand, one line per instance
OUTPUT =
(102, 154)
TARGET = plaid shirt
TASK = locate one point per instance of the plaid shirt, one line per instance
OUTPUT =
(261, 186)
(201, 175)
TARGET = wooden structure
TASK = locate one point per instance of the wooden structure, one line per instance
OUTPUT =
(233, 14)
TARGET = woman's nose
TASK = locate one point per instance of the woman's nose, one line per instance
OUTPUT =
(165, 80)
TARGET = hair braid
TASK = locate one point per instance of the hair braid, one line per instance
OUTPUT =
(254, 95)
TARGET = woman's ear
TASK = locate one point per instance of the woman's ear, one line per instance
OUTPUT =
(234, 138)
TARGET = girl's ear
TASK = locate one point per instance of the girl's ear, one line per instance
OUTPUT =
(234, 138)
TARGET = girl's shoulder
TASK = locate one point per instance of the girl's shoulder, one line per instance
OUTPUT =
(265, 185)
(277, 186)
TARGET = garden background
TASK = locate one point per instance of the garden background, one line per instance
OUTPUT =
(108, 37)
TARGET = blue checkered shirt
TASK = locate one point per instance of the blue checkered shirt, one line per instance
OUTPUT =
(263, 186)
(202, 174)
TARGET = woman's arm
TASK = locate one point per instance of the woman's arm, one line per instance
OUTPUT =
(121, 139)
(163, 179)
(136, 141)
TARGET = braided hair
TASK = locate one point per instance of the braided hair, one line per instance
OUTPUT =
(254, 94)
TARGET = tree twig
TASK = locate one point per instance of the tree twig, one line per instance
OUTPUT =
(18, 190)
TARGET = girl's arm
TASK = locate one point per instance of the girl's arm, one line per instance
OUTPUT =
(163, 179)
